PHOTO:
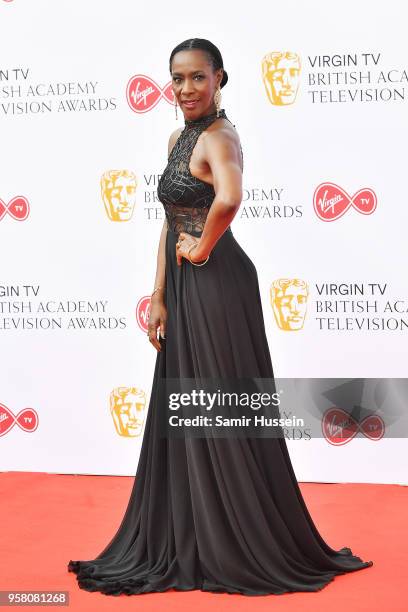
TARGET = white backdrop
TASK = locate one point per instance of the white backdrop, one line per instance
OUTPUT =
(66, 119)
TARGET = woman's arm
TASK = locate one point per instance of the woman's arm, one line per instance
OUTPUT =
(159, 280)
(160, 277)
(158, 311)
(223, 154)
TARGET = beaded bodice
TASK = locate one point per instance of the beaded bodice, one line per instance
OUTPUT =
(186, 198)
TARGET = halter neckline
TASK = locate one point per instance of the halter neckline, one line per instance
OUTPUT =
(204, 118)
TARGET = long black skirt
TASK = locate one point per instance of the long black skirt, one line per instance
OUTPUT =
(216, 514)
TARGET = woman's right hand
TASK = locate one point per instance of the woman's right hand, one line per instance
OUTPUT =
(157, 320)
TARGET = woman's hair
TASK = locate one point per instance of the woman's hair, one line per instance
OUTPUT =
(212, 52)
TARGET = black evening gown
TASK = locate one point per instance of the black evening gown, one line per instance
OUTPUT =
(215, 514)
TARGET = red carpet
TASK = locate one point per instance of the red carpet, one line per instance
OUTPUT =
(48, 519)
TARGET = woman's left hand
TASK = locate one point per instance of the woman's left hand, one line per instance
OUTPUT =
(184, 243)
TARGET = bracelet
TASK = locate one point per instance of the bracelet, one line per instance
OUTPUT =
(156, 289)
(193, 262)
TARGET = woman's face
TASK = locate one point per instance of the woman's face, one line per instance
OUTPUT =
(194, 82)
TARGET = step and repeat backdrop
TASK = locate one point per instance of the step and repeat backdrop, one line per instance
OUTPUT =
(320, 101)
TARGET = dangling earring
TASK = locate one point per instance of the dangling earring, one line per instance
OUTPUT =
(175, 106)
(217, 100)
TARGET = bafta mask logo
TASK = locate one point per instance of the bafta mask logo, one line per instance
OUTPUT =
(18, 208)
(127, 406)
(143, 312)
(280, 75)
(289, 302)
(119, 194)
(143, 93)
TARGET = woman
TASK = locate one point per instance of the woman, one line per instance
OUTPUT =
(216, 514)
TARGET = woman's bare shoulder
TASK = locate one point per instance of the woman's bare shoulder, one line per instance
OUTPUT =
(221, 141)
(222, 128)
(221, 133)
(173, 138)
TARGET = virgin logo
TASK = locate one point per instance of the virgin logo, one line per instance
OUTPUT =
(26, 419)
(143, 93)
(331, 202)
(339, 427)
(18, 208)
(143, 312)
